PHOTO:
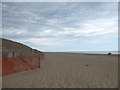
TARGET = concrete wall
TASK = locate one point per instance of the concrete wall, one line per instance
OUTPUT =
(11, 54)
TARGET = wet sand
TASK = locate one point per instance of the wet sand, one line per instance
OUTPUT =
(62, 70)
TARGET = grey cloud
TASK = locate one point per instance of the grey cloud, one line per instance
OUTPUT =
(34, 18)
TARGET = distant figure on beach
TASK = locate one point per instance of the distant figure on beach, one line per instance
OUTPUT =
(109, 53)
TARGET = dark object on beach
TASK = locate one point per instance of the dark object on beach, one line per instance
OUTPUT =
(86, 65)
(109, 53)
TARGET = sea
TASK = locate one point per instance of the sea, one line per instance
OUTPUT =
(96, 52)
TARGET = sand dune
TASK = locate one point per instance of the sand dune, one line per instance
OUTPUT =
(62, 70)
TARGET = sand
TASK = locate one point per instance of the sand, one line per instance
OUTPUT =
(63, 70)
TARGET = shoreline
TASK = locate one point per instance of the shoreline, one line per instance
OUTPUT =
(84, 53)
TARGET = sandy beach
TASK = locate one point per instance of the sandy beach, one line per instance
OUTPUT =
(63, 70)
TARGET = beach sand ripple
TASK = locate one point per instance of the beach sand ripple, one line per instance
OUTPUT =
(63, 70)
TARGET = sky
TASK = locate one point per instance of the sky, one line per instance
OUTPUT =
(62, 26)
(60, 0)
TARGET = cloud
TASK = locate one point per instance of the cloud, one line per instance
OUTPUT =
(43, 42)
(14, 32)
(58, 24)
(61, 1)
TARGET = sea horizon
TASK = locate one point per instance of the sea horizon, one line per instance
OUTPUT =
(90, 52)
(96, 52)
